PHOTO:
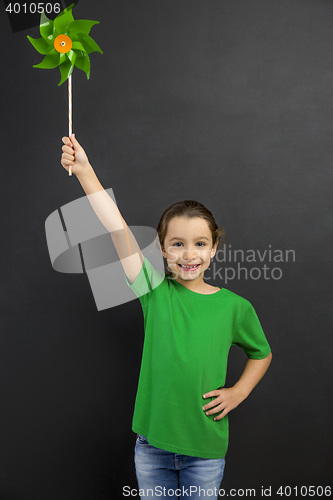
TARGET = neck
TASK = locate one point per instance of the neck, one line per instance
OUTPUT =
(195, 285)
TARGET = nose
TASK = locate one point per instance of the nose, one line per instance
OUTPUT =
(190, 254)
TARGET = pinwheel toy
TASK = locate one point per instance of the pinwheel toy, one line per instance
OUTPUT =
(65, 43)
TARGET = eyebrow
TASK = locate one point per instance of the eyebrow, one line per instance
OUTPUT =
(199, 238)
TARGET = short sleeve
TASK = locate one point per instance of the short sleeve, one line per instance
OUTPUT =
(249, 335)
(146, 281)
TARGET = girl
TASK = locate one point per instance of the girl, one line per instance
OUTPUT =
(181, 406)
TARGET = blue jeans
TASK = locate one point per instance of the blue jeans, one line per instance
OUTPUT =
(163, 474)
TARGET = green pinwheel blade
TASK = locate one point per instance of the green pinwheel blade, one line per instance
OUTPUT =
(63, 20)
(66, 70)
(46, 29)
(40, 45)
(88, 43)
(83, 63)
(50, 61)
(63, 58)
(81, 26)
(78, 46)
(71, 56)
(82, 43)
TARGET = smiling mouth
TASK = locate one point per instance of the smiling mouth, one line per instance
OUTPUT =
(189, 268)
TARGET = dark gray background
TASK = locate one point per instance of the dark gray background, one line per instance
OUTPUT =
(228, 102)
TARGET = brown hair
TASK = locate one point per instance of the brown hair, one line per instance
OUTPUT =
(189, 209)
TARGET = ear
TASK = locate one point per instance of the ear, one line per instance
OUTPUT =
(158, 244)
(213, 252)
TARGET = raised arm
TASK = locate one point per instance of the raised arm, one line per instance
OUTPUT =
(106, 210)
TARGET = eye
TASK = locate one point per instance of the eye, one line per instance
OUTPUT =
(202, 243)
(178, 243)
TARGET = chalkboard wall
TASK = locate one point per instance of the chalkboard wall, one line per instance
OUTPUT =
(227, 102)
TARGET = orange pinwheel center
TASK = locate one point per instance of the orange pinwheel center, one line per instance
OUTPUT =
(63, 44)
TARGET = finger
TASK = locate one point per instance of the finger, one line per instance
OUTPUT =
(215, 410)
(67, 149)
(66, 140)
(223, 414)
(65, 162)
(210, 394)
(74, 140)
(68, 157)
(213, 403)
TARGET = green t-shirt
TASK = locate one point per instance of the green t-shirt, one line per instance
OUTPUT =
(187, 340)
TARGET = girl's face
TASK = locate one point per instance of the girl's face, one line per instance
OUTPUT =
(188, 242)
